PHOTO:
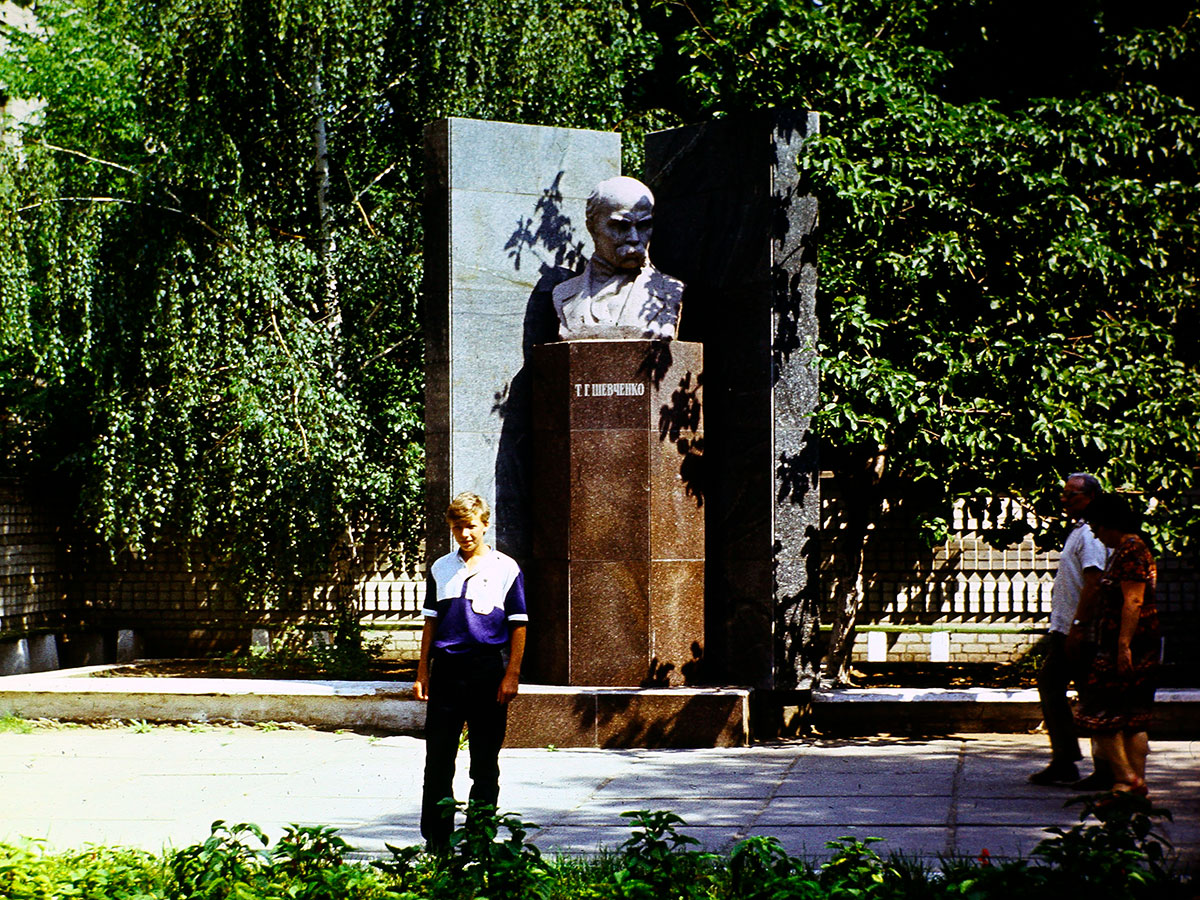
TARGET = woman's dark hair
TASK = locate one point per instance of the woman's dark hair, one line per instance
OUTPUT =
(1113, 511)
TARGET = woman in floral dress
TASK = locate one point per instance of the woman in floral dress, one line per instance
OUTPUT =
(1116, 690)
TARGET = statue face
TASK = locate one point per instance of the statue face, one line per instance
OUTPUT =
(622, 236)
(621, 222)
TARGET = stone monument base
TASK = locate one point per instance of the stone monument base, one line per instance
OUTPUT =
(624, 718)
(616, 585)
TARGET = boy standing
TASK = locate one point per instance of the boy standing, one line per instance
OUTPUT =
(474, 610)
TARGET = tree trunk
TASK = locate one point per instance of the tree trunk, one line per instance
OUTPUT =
(332, 314)
(859, 506)
(846, 594)
(345, 556)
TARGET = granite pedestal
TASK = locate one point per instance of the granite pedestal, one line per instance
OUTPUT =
(617, 579)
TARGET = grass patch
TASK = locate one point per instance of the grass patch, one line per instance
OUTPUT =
(10, 723)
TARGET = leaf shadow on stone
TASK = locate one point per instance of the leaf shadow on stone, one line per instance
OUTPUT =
(546, 238)
(680, 423)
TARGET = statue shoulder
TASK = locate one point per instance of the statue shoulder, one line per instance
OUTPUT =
(660, 284)
(565, 290)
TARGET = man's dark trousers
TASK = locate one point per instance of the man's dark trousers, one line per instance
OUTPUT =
(1053, 680)
(462, 688)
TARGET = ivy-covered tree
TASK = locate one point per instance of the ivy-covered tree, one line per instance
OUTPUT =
(210, 258)
(1008, 262)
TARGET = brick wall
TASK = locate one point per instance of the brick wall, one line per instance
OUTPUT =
(988, 604)
(188, 613)
(32, 589)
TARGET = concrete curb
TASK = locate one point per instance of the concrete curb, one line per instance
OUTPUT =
(925, 711)
(73, 695)
(544, 715)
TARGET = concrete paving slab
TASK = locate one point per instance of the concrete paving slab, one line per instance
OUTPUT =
(938, 781)
(961, 794)
(1045, 810)
(606, 810)
(1014, 840)
(875, 811)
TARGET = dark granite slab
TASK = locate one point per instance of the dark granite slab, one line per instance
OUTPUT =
(618, 718)
(610, 622)
(733, 221)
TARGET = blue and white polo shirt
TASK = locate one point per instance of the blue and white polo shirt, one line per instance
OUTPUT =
(475, 610)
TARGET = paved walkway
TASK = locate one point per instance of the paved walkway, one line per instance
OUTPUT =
(164, 786)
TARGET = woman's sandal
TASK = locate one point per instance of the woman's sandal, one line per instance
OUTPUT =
(1139, 790)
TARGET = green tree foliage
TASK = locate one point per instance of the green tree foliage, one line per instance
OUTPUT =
(210, 247)
(210, 257)
(1008, 264)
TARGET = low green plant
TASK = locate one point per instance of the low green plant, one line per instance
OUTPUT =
(348, 659)
(760, 869)
(854, 869)
(98, 873)
(658, 860)
(310, 862)
(11, 723)
(1119, 855)
(226, 864)
(1029, 663)
(482, 862)
(307, 863)
(1114, 852)
(297, 651)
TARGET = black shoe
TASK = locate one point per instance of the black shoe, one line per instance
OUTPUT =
(1056, 773)
(1094, 783)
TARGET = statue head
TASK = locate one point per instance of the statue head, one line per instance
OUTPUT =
(620, 220)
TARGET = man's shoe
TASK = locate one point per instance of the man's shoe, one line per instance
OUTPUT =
(1056, 773)
(1094, 783)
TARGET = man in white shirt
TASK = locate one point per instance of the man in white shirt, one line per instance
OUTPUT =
(1079, 568)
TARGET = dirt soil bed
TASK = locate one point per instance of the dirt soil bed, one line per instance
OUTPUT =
(945, 675)
(910, 675)
(381, 670)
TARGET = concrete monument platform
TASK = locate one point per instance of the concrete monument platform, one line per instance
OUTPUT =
(540, 716)
(544, 715)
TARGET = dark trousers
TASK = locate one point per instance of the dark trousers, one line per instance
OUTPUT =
(461, 689)
(1053, 680)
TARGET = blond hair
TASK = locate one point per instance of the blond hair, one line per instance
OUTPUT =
(466, 505)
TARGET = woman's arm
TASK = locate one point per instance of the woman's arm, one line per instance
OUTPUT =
(1134, 593)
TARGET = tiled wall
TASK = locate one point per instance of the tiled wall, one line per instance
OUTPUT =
(32, 596)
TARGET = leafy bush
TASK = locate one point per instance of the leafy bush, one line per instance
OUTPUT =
(658, 863)
(1113, 852)
(1120, 856)
(98, 873)
(477, 863)
(308, 863)
(298, 652)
